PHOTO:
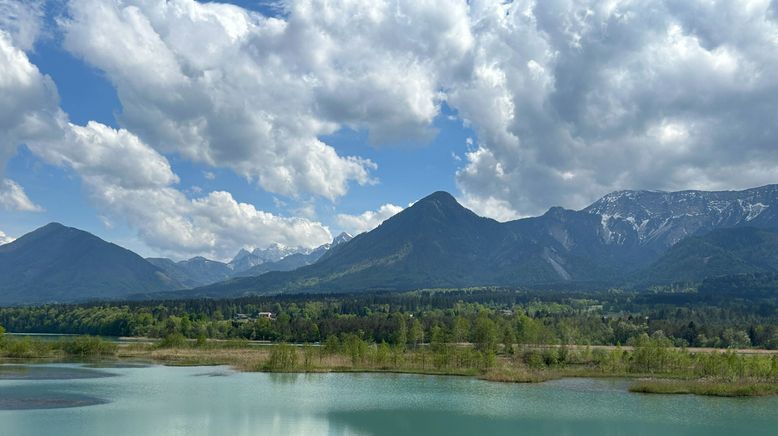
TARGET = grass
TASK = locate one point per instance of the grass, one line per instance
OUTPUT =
(285, 358)
(716, 388)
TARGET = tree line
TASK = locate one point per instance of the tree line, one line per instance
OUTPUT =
(482, 316)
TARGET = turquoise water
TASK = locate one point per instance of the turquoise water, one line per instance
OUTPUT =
(157, 400)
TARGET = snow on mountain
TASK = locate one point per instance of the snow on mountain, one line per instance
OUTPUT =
(664, 218)
(342, 239)
(246, 260)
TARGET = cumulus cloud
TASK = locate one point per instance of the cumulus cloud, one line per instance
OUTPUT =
(5, 239)
(572, 99)
(368, 220)
(139, 189)
(13, 197)
(228, 87)
(128, 180)
(22, 20)
(569, 99)
(29, 108)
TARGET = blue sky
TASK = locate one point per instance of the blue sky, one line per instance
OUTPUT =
(196, 128)
(407, 170)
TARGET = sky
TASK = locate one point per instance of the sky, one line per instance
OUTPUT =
(185, 128)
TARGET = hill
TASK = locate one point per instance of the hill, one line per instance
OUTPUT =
(722, 252)
(197, 271)
(61, 264)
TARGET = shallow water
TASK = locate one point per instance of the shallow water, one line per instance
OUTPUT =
(159, 400)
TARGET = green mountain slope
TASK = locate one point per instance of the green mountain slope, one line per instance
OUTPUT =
(721, 252)
(61, 264)
(434, 243)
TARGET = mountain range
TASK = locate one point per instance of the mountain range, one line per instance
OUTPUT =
(199, 271)
(626, 238)
(618, 240)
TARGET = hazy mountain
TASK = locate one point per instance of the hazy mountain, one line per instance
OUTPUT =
(246, 260)
(295, 260)
(197, 271)
(61, 264)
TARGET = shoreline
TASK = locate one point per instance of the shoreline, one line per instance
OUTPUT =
(503, 369)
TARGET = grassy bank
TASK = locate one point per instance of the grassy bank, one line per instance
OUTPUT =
(718, 388)
(655, 367)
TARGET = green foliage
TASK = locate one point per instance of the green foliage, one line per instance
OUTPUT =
(26, 348)
(534, 359)
(173, 340)
(283, 357)
(415, 333)
(485, 334)
(382, 352)
(87, 346)
(331, 345)
(355, 348)
(488, 318)
(308, 356)
(508, 339)
(400, 335)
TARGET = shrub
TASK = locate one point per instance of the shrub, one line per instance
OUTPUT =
(534, 359)
(87, 346)
(283, 357)
(173, 340)
(26, 348)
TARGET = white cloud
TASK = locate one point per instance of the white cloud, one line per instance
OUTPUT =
(138, 189)
(13, 197)
(228, 87)
(368, 220)
(28, 106)
(128, 180)
(106, 156)
(5, 239)
(491, 207)
(571, 99)
(22, 21)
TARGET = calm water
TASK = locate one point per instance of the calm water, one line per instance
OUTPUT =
(74, 400)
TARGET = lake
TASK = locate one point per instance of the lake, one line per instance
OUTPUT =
(157, 400)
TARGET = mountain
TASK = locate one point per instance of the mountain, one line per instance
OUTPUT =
(626, 238)
(61, 264)
(197, 271)
(434, 243)
(658, 220)
(295, 260)
(438, 243)
(246, 260)
(341, 239)
(722, 252)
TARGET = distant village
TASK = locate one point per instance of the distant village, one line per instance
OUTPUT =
(242, 317)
